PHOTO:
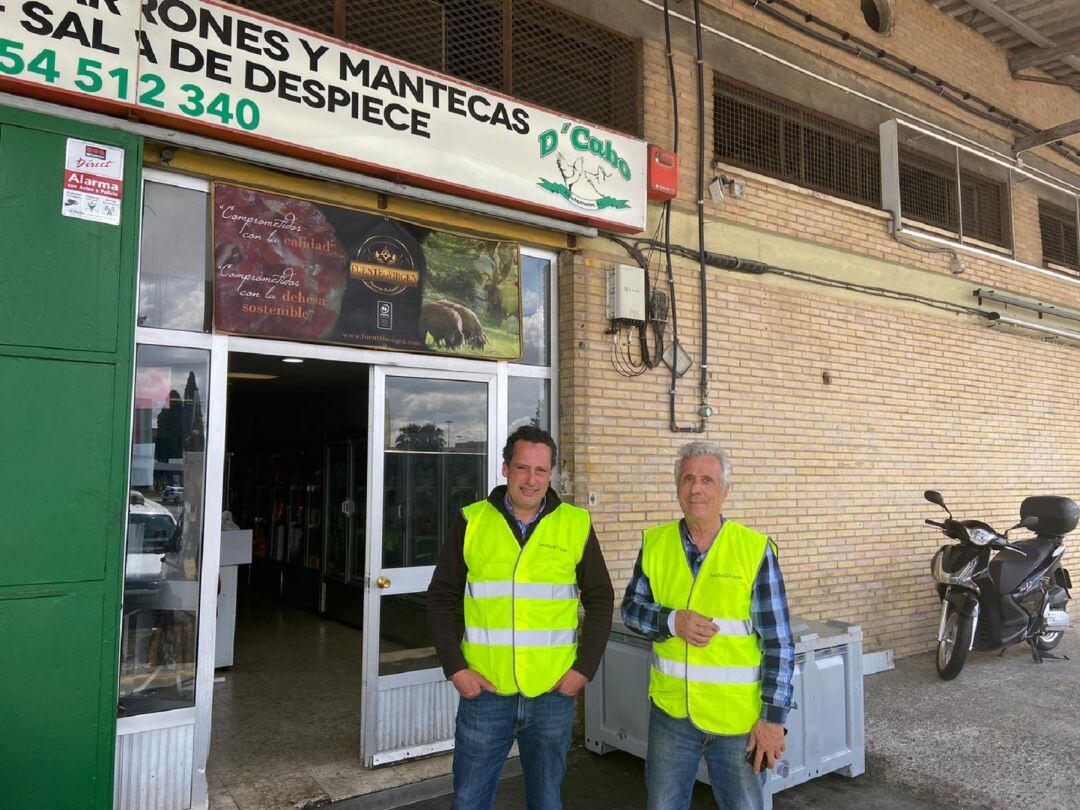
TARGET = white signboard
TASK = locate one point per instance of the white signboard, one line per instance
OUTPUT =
(93, 181)
(200, 65)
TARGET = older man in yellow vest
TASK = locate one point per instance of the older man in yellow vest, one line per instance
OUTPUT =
(708, 593)
(521, 560)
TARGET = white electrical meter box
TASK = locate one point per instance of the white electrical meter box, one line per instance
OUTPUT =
(626, 293)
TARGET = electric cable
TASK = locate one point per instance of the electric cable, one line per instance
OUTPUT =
(862, 49)
(672, 423)
(752, 267)
(703, 385)
(966, 143)
(649, 359)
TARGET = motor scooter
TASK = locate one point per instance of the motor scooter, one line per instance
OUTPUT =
(1017, 595)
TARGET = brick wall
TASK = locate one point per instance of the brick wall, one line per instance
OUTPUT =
(834, 472)
(918, 399)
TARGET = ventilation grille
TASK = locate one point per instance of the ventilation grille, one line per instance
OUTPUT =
(524, 48)
(1058, 230)
(774, 137)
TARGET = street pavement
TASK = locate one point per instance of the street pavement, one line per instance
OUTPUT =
(1005, 734)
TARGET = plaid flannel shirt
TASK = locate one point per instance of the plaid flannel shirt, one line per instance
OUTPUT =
(525, 526)
(768, 613)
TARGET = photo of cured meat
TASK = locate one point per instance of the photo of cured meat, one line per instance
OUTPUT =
(280, 270)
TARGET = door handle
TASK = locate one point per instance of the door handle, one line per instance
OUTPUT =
(382, 583)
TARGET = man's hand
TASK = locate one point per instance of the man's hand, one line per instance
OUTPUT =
(693, 628)
(470, 683)
(768, 744)
(570, 683)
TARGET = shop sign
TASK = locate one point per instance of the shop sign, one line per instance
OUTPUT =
(197, 64)
(93, 181)
(291, 268)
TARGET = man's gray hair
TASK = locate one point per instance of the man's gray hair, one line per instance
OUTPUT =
(692, 449)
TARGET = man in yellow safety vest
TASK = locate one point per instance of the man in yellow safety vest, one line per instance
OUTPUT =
(521, 561)
(708, 593)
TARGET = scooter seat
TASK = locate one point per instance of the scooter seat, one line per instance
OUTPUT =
(1008, 569)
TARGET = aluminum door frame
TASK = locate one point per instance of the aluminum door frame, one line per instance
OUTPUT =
(427, 688)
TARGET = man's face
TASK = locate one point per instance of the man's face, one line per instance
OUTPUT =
(700, 488)
(527, 475)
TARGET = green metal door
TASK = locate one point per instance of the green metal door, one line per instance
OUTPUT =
(67, 292)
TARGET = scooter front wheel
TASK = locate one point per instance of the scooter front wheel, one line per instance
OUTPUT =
(953, 648)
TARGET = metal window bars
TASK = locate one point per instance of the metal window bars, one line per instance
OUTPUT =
(524, 48)
(780, 139)
(1059, 230)
(772, 136)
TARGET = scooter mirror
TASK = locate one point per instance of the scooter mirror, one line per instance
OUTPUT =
(934, 496)
(1029, 522)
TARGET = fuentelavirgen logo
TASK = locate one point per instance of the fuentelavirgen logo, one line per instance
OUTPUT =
(724, 575)
(584, 181)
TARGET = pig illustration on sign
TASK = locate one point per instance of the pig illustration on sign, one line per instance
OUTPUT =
(471, 328)
(443, 324)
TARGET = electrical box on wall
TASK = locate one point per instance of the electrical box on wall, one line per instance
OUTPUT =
(663, 173)
(626, 293)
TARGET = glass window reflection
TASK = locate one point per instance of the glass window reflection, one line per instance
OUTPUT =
(164, 533)
(529, 403)
(535, 310)
(445, 415)
(173, 264)
(435, 463)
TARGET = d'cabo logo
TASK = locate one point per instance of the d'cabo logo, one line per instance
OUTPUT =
(585, 182)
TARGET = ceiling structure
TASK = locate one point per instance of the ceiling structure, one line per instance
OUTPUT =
(1041, 39)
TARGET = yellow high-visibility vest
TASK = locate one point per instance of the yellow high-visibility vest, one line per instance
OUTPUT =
(717, 686)
(521, 602)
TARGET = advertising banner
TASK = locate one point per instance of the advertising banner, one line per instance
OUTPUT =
(295, 269)
(202, 65)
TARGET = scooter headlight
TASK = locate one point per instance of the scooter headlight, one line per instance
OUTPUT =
(980, 537)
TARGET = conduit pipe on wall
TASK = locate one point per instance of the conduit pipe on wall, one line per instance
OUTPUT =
(704, 410)
(1038, 327)
(953, 246)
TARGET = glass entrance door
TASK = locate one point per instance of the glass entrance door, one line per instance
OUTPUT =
(432, 452)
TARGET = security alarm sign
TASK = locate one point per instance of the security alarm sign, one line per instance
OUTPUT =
(93, 182)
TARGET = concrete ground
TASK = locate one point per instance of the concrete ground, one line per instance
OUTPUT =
(1004, 734)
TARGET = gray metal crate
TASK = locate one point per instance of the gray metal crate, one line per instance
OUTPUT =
(825, 730)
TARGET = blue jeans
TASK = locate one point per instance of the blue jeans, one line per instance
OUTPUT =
(486, 728)
(675, 750)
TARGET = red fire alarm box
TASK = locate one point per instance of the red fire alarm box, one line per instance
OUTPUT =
(663, 173)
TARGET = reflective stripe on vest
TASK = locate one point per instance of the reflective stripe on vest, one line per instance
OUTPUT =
(529, 590)
(521, 638)
(706, 674)
(734, 627)
(521, 602)
(717, 686)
